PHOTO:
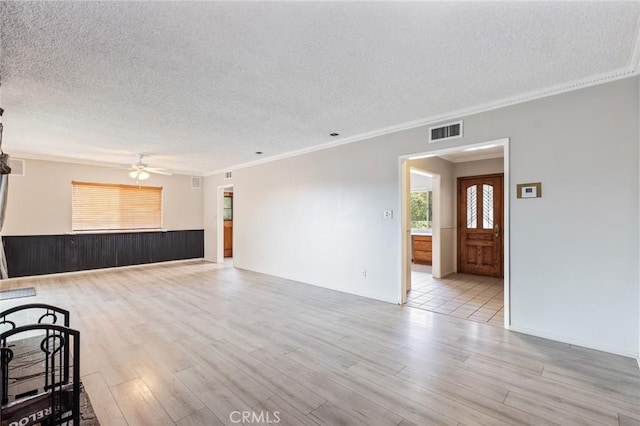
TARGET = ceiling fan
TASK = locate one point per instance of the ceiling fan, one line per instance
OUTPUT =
(140, 171)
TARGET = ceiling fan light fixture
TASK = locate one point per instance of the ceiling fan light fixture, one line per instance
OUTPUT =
(139, 175)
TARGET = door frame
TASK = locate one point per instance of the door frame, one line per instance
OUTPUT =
(404, 224)
(220, 223)
(435, 224)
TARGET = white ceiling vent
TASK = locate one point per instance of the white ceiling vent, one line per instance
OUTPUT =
(227, 175)
(447, 131)
(196, 182)
(17, 166)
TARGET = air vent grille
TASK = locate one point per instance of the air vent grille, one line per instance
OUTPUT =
(448, 131)
(227, 175)
(17, 166)
(196, 182)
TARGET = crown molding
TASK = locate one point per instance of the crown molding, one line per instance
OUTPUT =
(594, 80)
(23, 155)
(635, 58)
(453, 115)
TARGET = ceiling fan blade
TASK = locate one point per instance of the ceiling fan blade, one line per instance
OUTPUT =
(158, 171)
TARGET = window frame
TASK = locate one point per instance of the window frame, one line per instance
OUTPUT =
(76, 229)
(429, 209)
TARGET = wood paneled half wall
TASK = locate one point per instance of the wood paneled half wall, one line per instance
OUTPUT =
(49, 254)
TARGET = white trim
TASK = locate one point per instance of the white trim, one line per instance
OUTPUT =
(576, 342)
(115, 231)
(635, 58)
(436, 238)
(404, 225)
(324, 285)
(448, 116)
(421, 172)
(501, 103)
(439, 126)
(506, 242)
(87, 162)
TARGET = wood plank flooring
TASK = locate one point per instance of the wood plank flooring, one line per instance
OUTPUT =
(195, 343)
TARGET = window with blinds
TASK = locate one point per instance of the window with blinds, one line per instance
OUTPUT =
(104, 207)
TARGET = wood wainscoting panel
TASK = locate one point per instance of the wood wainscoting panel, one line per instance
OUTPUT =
(49, 254)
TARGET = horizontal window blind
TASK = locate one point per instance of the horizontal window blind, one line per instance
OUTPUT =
(99, 207)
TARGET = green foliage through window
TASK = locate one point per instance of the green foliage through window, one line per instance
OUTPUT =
(421, 209)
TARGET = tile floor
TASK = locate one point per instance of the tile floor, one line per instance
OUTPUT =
(472, 297)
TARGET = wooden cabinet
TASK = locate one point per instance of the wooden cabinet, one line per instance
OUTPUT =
(228, 238)
(421, 248)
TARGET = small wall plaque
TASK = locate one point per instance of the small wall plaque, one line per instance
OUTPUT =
(529, 190)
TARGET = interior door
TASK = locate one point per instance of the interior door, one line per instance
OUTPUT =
(480, 225)
(227, 211)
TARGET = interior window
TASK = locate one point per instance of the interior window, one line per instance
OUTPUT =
(487, 206)
(227, 208)
(421, 209)
(472, 207)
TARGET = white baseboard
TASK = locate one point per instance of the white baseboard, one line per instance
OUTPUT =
(352, 292)
(577, 342)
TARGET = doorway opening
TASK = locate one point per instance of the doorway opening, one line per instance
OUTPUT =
(445, 286)
(225, 225)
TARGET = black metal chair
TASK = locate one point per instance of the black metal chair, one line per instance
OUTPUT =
(36, 384)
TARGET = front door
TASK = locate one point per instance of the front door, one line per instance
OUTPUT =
(480, 225)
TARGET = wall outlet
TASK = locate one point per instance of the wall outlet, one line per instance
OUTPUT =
(363, 273)
(387, 214)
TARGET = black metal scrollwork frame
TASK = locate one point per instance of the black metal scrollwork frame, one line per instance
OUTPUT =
(57, 401)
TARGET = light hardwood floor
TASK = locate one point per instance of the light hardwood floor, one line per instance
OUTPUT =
(192, 343)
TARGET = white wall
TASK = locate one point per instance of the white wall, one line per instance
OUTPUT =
(477, 168)
(445, 207)
(317, 218)
(210, 206)
(39, 203)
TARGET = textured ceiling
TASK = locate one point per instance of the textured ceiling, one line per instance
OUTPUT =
(202, 86)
